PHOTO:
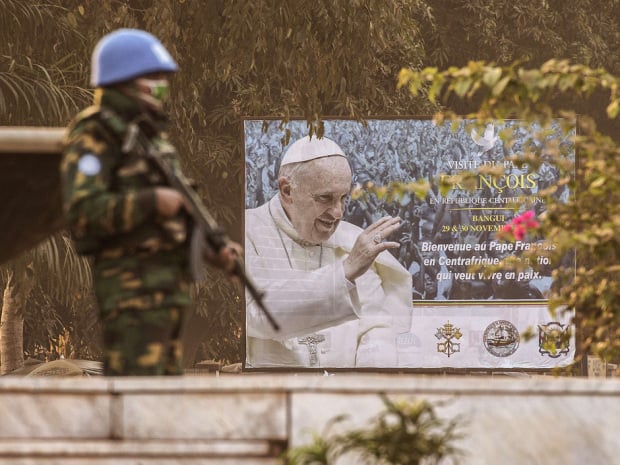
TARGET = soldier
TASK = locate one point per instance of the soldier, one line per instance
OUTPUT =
(121, 211)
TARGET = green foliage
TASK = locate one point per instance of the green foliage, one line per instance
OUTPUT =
(41, 83)
(504, 31)
(404, 433)
(512, 91)
(219, 308)
(61, 301)
(40, 80)
(63, 298)
(591, 224)
(588, 223)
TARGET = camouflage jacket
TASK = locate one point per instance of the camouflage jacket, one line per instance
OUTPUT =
(109, 202)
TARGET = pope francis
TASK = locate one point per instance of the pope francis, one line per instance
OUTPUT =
(340, 298)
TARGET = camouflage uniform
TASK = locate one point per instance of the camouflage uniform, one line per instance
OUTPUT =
(140, 267)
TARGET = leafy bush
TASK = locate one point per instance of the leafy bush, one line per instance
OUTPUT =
(404, 433)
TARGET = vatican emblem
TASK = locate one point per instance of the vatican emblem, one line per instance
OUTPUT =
(448, 333)
(501, 338)
(553, 339)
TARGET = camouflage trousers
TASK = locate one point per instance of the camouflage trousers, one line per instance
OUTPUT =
(143, 342)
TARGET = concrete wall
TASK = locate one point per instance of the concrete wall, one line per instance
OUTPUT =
(249, 418)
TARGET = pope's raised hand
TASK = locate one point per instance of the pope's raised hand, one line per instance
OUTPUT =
(370, 243)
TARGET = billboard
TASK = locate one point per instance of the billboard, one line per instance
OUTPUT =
(455, 316)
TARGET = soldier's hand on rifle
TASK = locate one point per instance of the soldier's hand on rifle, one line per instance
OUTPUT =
(226, 257)
(168, 201)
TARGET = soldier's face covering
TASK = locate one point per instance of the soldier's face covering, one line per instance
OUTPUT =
(315, 198)
(151, 91)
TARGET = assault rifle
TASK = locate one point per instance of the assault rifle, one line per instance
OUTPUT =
(214, 235)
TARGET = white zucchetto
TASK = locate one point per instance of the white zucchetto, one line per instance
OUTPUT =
(306, 149)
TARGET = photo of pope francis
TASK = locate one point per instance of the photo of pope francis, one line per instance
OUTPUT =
(340, 297)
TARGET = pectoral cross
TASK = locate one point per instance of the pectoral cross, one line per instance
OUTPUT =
(312, 341)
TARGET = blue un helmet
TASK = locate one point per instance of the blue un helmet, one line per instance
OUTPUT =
(126, 54)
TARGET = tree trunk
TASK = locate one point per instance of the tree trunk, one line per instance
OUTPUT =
(12, 322)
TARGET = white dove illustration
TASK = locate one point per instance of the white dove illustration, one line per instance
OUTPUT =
(487, 141)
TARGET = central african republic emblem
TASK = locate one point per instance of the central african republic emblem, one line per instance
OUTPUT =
(553, 339)
(448, 333)
(501, 338)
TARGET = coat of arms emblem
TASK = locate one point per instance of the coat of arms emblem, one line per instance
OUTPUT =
(501, 338)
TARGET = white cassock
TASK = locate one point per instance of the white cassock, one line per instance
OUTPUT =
(325, 320)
